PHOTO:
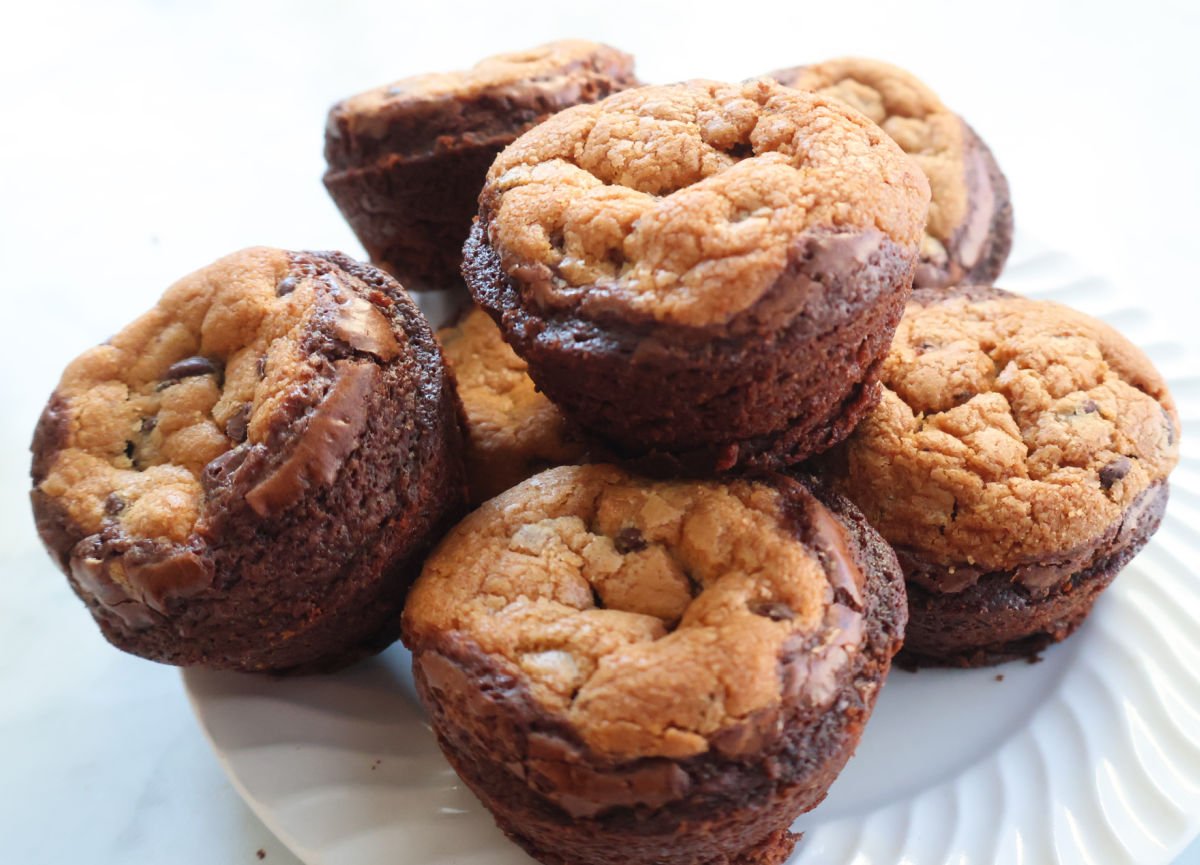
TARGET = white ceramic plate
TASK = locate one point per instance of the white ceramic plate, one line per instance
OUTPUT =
(1091, 756)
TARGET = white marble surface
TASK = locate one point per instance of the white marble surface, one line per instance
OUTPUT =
(143, 139)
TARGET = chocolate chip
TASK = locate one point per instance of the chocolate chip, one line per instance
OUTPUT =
(285, 286)
(774, 611)
(235, 427)
(114, 504)
(261, 366)
(629, 540)
(218, 471)
(1090, 407)
(1114, 471)
(130, 450)
(841, 595)
(191, 366)
(148, 425)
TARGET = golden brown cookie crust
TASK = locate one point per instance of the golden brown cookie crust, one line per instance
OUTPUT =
(545, 67)
(1011, 431)
(513, 429)
(915, 118)
(208, 367)
(674, 653)
(680, 203)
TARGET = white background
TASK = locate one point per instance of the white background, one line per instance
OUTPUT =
(143, 139)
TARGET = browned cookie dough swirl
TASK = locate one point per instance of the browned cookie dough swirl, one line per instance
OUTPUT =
(406, 160)
(969, 232)
(708, 270)
(1018, 459)
(246, 476)
(631, 671)
(513, 430)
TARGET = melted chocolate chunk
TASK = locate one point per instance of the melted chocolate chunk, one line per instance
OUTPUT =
(235, 427)
(218, 471)
(114, 504)
(1114, 471)
(629, 540)
(192, 366)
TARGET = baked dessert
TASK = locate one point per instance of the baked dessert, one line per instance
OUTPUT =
(635, 671)
(969, 232)
(513, 430)
(248, 475)
(406, 160)
(708, 271)
(1017, 461)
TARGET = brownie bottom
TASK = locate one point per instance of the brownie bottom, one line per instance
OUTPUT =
(413, 214)
(997, 620)
(711, 809)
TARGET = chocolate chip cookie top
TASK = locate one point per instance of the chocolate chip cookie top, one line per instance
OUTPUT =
(216, 363)
(651, 616)
(915, 118)
(551, 75)
(513, 429)
(680, 203)
(1011, 431)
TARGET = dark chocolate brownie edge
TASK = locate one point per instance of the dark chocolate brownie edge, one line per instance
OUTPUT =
(412, 216)
(430, 127)
(997, 620)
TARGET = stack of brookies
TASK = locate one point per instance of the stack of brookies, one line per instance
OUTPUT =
(722, 453)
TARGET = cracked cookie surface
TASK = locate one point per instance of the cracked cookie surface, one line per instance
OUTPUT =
(513, 430)
(651, 615)
(680, 203)
(1010, 431)
(969, 197)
